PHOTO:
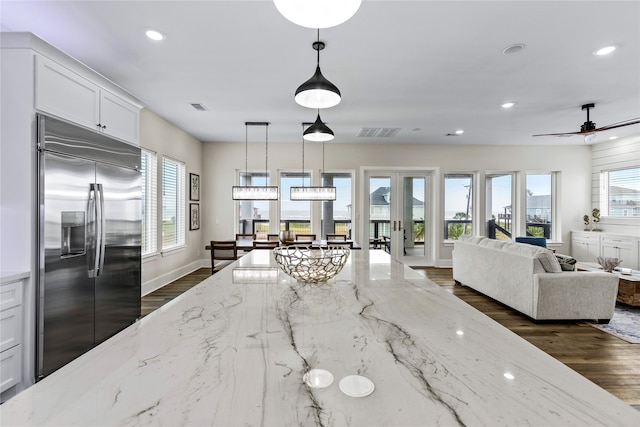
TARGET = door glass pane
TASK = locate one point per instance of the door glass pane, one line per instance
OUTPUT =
(254, 214)
(379, 210)
(539, 205)
(413, 215)
(294, 215)
(336, 214)
(458, 207)
(499, 203)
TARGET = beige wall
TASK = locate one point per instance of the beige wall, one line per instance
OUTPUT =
(160, 136)
(223, 160)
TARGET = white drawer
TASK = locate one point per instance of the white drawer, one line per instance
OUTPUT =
(619, 242)
(586, 237)
(10, 328)
(10, 367)
(10, 295)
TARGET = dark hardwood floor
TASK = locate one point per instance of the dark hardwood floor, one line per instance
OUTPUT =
(608, 361)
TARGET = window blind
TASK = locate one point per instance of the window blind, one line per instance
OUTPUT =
(149, 169)
(621, 191)
(173, 203)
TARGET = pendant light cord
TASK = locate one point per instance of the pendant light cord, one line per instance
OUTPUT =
(266, 154)
(246, 151)
(319, 55)
(303, 155)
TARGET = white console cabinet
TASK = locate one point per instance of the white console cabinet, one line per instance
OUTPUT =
(586, 246)
(624, 248)
(63, 93)
(11, 331)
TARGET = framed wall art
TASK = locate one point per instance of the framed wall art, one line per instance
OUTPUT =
(194, 216)
(194, 187)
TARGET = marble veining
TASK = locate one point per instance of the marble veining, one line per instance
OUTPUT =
(231, 352)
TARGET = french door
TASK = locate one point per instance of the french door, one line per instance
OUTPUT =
(399, 214)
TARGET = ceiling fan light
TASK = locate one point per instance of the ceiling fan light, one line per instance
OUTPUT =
(589, 138)
(317, 13)
(318, 132)
(317, 92)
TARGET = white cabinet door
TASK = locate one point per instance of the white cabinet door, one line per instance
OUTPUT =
(585, 247)
(65, 94)
(118, 117)
(623, 248)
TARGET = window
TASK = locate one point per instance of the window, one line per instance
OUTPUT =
(458, 205)
(254, 214)
(620, 192)
(149, 170)
(336, 214)
(499, 206)
(294, 215)
(173, 202)
(539, 205)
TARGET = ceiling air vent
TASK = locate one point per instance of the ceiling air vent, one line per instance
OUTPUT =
(198, 106)
(387, 132)
(377, 132)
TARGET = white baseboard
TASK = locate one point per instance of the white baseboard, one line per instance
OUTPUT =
(445, 263)
(165, 279)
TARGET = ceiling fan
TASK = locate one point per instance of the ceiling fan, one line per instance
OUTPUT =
(588, 128)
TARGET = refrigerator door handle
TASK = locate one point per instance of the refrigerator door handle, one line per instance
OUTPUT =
(94, 231)
(101, 231)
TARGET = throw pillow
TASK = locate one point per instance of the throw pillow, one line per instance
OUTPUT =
(567, 263)
(549, 262)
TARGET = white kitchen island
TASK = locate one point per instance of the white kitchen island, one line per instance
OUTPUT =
(233, 350)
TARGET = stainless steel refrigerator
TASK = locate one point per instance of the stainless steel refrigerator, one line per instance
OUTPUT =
(89, 223)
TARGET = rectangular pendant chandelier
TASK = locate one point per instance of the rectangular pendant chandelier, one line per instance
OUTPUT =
(239, 192)
(313, 193)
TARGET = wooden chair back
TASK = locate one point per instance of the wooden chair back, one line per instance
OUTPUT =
(306, 237)
(265, 245)
(245, 236)
(336, 237)
(273, 237)
(222, 250)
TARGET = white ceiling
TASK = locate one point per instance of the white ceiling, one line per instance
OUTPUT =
(426, 67)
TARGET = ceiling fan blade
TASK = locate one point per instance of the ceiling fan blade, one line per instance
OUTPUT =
(619, 124)
(559, 134)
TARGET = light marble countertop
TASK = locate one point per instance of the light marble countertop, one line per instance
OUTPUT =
(232, 351)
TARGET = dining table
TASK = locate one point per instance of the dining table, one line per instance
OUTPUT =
(377, 345)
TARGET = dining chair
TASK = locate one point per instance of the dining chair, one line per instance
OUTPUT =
(273, 237)
(223, 253)
(257, 244)
(306, 237)
(336, 237)
(245, 236)
(240, 236)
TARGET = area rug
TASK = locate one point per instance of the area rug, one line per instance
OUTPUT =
(625, 324)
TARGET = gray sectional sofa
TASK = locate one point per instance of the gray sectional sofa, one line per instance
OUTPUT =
(530, 280)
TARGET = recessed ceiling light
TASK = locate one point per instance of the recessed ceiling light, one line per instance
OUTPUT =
(508, 104)
(605, 50)
(509, 375)
(611, 138)
(514, 48)
(155, 35)
(459, 132)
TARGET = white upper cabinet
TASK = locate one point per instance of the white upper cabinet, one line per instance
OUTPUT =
(65, 94)
(118, 117)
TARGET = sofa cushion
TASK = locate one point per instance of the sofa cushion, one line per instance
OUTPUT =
(549, 262)
(492, 243)
(471, 239)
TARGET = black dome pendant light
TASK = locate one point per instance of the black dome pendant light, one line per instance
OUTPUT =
(318, 92)
(318, 131)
